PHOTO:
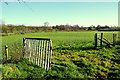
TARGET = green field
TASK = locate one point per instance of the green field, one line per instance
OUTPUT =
(73, 50)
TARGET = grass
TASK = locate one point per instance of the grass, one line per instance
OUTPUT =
(56, 37)
(73, 50)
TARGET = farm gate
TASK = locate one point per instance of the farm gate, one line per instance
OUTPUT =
(102, 39)
(38, 51)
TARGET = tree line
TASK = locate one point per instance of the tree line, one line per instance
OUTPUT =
(28, 29)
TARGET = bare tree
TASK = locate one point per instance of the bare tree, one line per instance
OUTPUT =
(46, 23)
(2, 21)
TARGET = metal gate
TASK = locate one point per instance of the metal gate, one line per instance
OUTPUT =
(102, 39)
(38, 51)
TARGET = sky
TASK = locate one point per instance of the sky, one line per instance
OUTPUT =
(63, 0)
(61, 13)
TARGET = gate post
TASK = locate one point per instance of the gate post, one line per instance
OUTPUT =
(114, 39)
(101, 39)
(6, 50)
(95, 38)
(50, 52)
(23, 47)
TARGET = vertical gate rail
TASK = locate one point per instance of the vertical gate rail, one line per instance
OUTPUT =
(95, 39)
(38, 51)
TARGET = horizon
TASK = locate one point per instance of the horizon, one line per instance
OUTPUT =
(56, 25)
(61, 13)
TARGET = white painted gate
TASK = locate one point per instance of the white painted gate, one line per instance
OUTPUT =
(38, 51)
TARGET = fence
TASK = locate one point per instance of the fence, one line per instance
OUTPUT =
(38, 51)
(108, 39)
(119, 35)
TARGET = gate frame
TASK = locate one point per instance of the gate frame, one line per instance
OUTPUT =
(45, 55)
(102, 40)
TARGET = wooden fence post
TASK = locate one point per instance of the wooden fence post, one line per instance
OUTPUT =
(23, 47)
(95, 37)
(6, 51)
(101, 39)
(114, 39)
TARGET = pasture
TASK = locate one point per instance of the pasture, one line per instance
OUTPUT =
(73, 51)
